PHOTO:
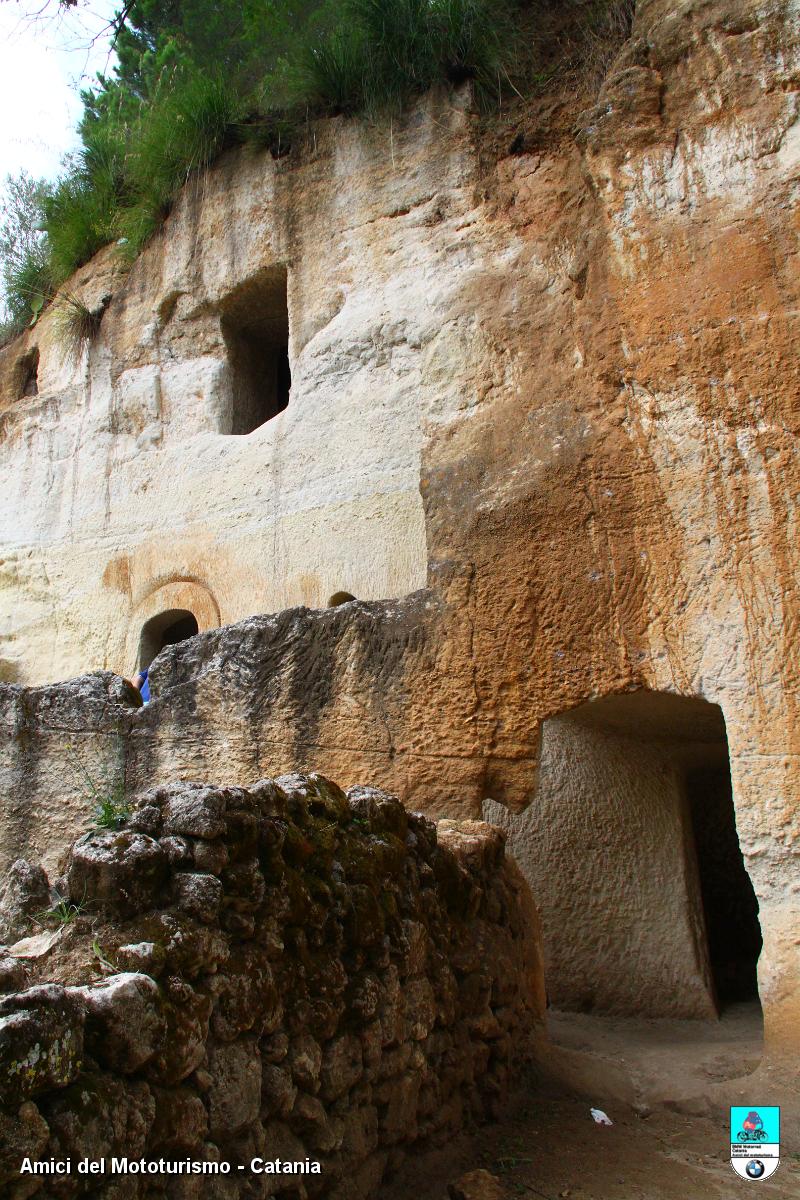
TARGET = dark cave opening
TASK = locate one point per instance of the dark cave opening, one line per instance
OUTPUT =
(255, 328)
(166, 629)
(730, 905)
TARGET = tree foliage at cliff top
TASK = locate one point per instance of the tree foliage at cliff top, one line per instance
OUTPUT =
(195, 76)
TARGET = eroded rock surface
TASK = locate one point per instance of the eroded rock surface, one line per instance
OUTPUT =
(24, 895)
(553, 389)
(41, 1041)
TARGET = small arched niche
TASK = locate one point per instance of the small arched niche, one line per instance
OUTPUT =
(165, 629)
(168, 614)
(340, 598)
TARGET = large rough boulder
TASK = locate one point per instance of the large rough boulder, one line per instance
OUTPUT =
(24, 895)
(12, 975)
(234, 1096)
(125, 1024)
(96, 1117)
(41, 1041)
(119, 871)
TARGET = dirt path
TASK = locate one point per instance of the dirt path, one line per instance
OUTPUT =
(553, 1150)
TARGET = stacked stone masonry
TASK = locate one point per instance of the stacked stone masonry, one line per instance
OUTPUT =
(283, 972)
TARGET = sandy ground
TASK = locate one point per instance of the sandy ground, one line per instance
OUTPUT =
(549, 1147)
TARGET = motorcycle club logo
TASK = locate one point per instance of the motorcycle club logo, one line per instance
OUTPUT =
(755, 1141)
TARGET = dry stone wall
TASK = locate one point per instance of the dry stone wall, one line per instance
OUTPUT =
(282, 972)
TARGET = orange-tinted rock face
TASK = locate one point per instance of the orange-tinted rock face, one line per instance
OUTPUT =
(588, 361)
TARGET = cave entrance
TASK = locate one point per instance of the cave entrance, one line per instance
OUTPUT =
(730, 906)
(27, 374)
(650, 923)
(669, 923)
(631, 849)
(664, 918)
(165, 629)
(255, 328)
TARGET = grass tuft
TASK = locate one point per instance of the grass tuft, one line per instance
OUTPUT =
(385, 51)
(603, 28)
(79, 216)
(329, 72)
(106, 792)
(104, 961)
(186, 127)
(63, 911)
(76, 324)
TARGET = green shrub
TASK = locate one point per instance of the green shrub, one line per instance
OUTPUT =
(24, 252)
(80, 212)
(28, 286)
(186, 126)
(79, 218)
(382, 52)
(168, 112)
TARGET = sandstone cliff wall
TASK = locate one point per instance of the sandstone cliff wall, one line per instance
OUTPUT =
(590, 349)
(130, 492)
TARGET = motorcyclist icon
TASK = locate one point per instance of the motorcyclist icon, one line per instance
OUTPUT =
(752, 1129)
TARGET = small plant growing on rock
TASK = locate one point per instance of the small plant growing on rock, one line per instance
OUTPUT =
(111, 812)
(106, 791)
(103, 960)
(77, 325)
(63, 911)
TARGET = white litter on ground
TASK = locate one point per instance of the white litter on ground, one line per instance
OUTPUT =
(600, 1117)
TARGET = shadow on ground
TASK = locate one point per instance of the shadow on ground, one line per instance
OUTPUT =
(548, 1147)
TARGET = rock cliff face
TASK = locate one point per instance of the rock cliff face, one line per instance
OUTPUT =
(280, 973)
(555, 394)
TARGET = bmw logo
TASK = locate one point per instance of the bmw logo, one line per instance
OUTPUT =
(755, 1168)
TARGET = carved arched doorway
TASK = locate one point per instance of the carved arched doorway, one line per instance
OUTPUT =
(169, 614)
